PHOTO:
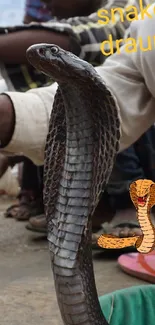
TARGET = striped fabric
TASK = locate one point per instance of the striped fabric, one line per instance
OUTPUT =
(86, 36)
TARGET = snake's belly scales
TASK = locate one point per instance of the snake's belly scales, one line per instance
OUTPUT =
(82, 142)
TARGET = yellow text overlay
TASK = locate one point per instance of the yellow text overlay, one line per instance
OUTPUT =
(129, 13)
(130, 45)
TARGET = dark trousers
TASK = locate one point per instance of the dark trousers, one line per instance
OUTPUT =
(32, 177)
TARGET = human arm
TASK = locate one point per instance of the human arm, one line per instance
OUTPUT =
(7, 120)
(30, 126)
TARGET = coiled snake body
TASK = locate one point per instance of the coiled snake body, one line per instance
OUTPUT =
(142, 194)
(82, 142)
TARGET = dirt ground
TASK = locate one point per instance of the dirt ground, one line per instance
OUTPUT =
(27, 295)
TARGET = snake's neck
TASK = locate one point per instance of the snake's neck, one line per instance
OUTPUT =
(70, 241)
(147, 227)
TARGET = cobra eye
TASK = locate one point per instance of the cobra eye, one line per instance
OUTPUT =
(54, 50)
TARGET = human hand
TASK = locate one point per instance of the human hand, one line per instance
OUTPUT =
(7, 120)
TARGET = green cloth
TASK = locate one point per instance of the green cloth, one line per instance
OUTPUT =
(131, 306)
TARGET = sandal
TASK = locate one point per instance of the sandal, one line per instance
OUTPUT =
(11, 211)
(28, 206)
(141, 266)
(37, 224)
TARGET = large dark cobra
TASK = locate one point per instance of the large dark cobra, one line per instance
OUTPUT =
(82, 142)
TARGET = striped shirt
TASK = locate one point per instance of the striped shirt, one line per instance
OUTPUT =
(86, 35)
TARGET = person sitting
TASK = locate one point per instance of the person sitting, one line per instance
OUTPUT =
(23, 77)
(45, 91)
(35, 11)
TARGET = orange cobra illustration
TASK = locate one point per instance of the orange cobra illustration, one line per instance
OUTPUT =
(142, 193)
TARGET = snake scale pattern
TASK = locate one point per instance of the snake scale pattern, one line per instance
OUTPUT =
(82, 143)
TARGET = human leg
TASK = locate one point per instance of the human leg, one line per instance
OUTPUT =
(30, 197)
(127, 169)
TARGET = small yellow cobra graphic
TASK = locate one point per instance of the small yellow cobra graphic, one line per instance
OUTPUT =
(142, 193)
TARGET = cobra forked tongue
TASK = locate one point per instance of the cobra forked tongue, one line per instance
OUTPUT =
(81, 146)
